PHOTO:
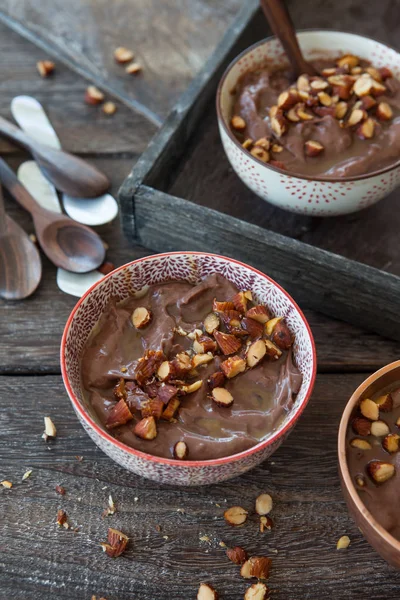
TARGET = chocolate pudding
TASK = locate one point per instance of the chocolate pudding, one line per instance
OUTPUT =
(190, 371)
(344, 122)
(374, 459)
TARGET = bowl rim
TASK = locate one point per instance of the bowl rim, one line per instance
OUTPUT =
(232, 137)
(169, 461)
(346, 477)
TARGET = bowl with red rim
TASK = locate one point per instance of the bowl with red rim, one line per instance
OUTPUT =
(322, 195)
(191, 267)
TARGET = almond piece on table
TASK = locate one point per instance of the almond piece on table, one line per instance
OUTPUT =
(181, 451)
(238, 123)
(118, 415)
(93, 95)
(272, 350)
(133, 69)
(45, 67)
(123, 55)
(259, 313)
(140, 317)
(255, 353)
(343, 542)
(385, 403)
(206, 592)
(211, 323)
(380, 471)
(266, 523)
(361, 426)
(379, 428)
(49, 428)
(61, 518)
(313, 148)
(232, 366)
(109, 108)
(360, 444)
(146, 429)
(228, 343)
(222, 397)
(237, 555)
(215, 380)
(391, 443)
(117, 542)
(263, 504)
(235, 515)
(281, 336)
(7, 484)
(257, 591)
(256, 566)
(369, 409)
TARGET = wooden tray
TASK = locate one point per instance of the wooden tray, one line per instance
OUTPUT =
(183, 195)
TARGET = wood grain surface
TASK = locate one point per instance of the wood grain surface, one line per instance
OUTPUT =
(39, 561)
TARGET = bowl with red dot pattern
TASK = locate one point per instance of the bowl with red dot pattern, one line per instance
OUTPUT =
(320, 196)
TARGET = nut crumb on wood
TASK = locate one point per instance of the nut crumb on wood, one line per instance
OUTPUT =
(133, 69)
(45, 67)
(343, 542)
(7, 484)
(50, 430)
(26, 475)
(60, 490)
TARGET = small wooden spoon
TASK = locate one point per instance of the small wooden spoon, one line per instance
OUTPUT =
(20, 264)
(281, 24)
(68, 244)
(68, 173)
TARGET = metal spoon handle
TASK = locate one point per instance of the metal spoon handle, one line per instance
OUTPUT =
(14, 133)
(18, 191)
(281, 24)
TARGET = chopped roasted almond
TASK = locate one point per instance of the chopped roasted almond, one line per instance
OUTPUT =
(211, 323)
(363, 85)
(117, 542)
(361, 426)
(369, 409)
(93, 95)
(368, 102)
(293, 116)
(319, 84)
(325, 99)
(279, 124)
(191, 388)
(263, 504)
(153, 407)
(120, 389)
(380, 471)
(303, 83)
(341, 110)
(348, 60)
(133, 69)
(360, 480)
(272, 351)
(271, 324)
(366, 130)
(303, 114)
(257, 591)
(256, 566)
(343, 542)
(45, 67)
(238, 123)
(182, 364)
(222, 397)
(123, 55)
(356, 116)
(281, 335)
(118, 415)
(391, 443)
(247, 143)
(7, 484)
(265, 144)
(260, 153)
(235, 515)
(217, 379)
(237, 555)
(60, 490)
(288, 99)
(172, 407)
(181, 451)
(313, 148)
(385, 403)
(49, 428)
(148, 365)
(377, 88)
(252, 327)
(166, 391)
(109, 108)
(146, 429)
(266, 523)
(385, 73)
(360, 444)
(164, 371)
(228, 343)
(61, 517)
(232, 366)
(255, 353)
(206, 592)
(202, 359)
(259, 313)
(379, 428)
(141, 317)
(240, 302)
(204, 344)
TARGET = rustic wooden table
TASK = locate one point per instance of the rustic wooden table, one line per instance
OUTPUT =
(40, 560)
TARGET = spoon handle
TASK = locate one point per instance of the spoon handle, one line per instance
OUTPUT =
(281, 24)
(14, 133)
(17, 190)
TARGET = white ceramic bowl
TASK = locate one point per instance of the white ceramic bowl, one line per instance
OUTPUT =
(317, 196)
(192, 267)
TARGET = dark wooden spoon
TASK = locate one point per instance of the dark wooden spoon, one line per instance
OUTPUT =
(281, 24)
(20, 264)
(68, 244)
(68, 173)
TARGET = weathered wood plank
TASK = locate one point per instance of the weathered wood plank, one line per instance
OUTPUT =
(309, 513)
(320, 280)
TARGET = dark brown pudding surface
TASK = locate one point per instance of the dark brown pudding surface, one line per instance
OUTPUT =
(321, 110)
(365, 465)
(262, 394)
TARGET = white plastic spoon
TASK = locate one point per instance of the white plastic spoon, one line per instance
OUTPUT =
(75, 284)
(31, 117)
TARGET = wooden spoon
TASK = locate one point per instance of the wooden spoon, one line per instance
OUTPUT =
(281, 24)
(68, 173)
(20, 264)
(68, 244)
